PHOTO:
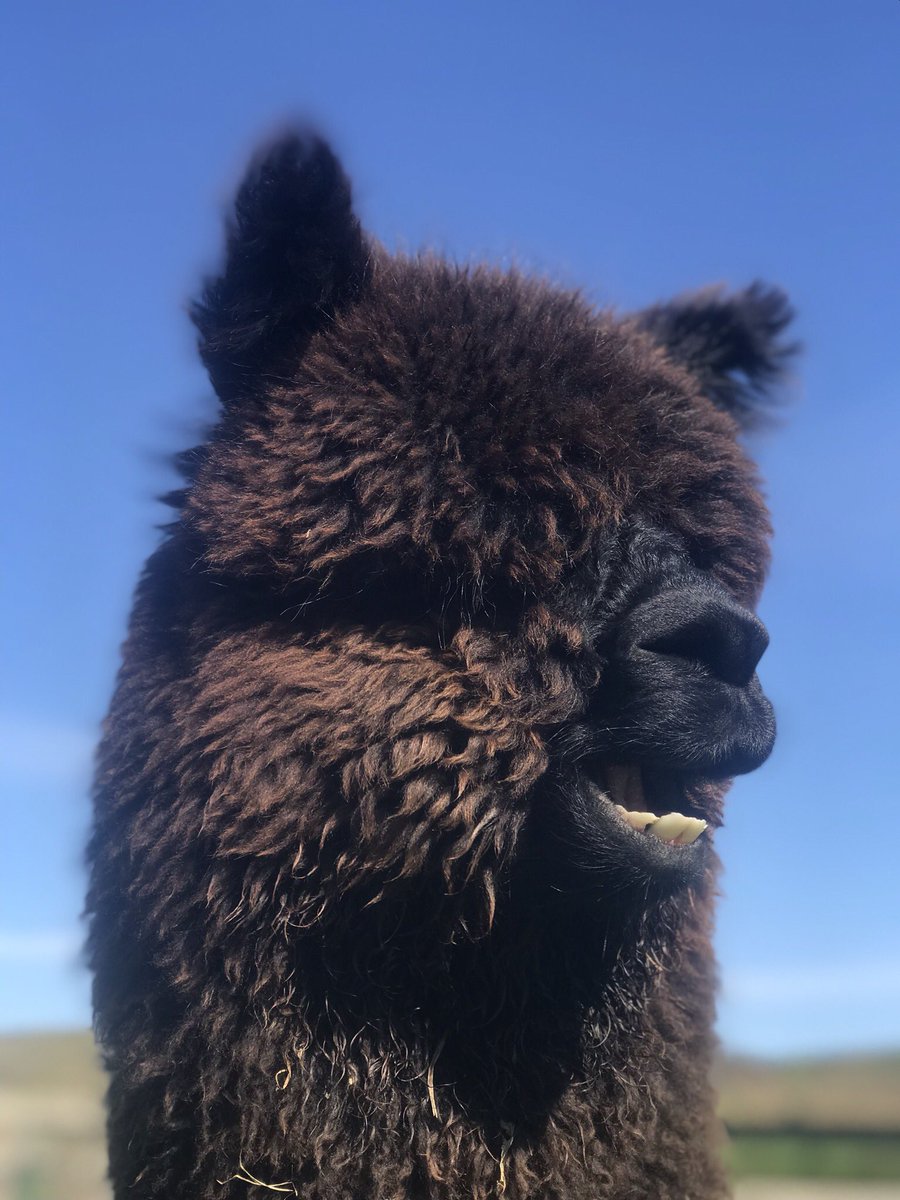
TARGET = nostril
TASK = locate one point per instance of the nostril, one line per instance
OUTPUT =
(715, 632)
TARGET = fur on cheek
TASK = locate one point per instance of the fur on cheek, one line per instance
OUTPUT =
(352, 762)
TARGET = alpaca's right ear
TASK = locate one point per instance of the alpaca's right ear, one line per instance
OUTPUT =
(732, 342)
(295, 254)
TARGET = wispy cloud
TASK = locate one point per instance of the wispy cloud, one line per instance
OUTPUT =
(56, 946)
(816, 984)
(31, 748)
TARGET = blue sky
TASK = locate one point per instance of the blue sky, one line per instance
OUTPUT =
(635, 150)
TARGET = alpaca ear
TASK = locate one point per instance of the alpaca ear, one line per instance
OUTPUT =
(294, 254)
(732, 343)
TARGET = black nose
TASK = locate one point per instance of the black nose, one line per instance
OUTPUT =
(702, 626)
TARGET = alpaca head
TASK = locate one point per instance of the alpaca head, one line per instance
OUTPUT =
(477, 566)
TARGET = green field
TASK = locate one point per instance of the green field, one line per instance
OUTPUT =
(51, 1125)
(829, 1155)
(829, 1120)
(813, 1119)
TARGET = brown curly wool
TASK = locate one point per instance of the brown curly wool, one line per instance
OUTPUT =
(362, 922)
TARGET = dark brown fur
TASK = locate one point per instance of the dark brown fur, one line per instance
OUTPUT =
(332, 953)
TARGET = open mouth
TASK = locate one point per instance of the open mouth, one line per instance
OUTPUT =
(645, 802)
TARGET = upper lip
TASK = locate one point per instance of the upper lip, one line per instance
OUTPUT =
(678, 685)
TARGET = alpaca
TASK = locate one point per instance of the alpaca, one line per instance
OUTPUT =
(402, 860)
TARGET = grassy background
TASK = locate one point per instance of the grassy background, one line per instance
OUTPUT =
(813, 1119)
(830, 1120)
(51, 1123)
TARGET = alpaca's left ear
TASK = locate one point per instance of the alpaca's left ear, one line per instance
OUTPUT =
(732, 343)
(295, 255)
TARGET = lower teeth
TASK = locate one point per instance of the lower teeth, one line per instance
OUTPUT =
(673, 828)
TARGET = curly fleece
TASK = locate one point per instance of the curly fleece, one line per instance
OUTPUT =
(330, 955)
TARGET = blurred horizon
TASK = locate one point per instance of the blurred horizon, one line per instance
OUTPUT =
(636, 152)
(808, 1130)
